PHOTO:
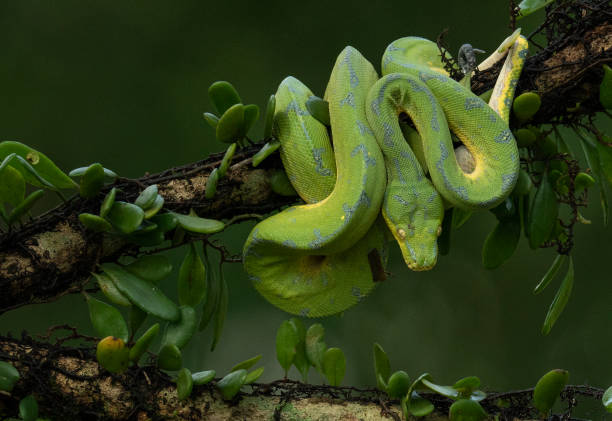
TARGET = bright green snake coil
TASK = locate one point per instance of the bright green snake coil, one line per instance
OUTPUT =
(321, 258)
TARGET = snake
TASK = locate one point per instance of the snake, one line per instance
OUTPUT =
(370, 181)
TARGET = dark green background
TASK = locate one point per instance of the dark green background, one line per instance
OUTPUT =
(124, 83)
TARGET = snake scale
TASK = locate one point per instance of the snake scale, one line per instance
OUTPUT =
(375, 184)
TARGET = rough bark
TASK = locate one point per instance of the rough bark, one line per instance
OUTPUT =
(68, 384)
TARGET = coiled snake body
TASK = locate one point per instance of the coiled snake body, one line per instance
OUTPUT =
(322, 257)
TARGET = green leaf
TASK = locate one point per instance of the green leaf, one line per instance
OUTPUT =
(419, 406)
(466, 410)
(39, 162)
(550, 273)
(230, 127)
(527, 7)
(560, 300)
(523, 184)
(109, 175)
(109, 289)
(501, 243)
(203, 377)
(142, 293)
(192, 278)
(146, 238)
(548, 388)
(226, 161)
(460, 217)
(398, 384)
(92, 181)
(333, 366)
(146, 197)
(527, 104)
(223, 95)
(230, 385)
(212, 295)
(109, 201)
(280, 184)
(221, 311)
(543, 214)
(112, 354)
(170, 358)
(28, 408)
(315, 346)
(180, 332)
(286, 345)
(270, 108)
(8, 376)
(266, 150)
(107, 320)
(251, 115)
(467, 385)
(137, 318)
(319, 109)
(254, 375)
(524, 137)
(95, 223)
(12, 186)
(158, 203)
(25, 206)
(605, 159)
(152, 267)
(27, 170)
(300, 361)
(447, 391)
(184, 384)
(165, 222)
(211, 119)
(246, 364)
(382, 366)
(126, 217)
(593, 159)
(211, 184)
(606, 399)
(477, 395)
(143, 343)
(197, 224)
(605, 89)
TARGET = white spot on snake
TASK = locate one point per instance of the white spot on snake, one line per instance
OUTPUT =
(364, 128)
(367, 159)
(348, 100)
(289, 243)
(504, 136)
(473, 102)
(318, 159)
(388, 134)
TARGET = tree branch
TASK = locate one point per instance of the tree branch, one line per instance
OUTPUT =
(54, 255)
(68, 384)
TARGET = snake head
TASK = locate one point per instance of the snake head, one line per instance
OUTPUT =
(415, 220)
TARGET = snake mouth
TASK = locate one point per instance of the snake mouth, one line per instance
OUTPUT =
(420, 268)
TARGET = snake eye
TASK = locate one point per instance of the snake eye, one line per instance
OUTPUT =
(439, 231)
(401, 233)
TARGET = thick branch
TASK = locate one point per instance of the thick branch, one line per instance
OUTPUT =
(53, 255)
(69, 384)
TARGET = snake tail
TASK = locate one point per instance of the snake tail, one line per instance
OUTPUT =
(323, 257)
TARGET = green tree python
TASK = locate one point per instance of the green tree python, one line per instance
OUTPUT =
(322, 257)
